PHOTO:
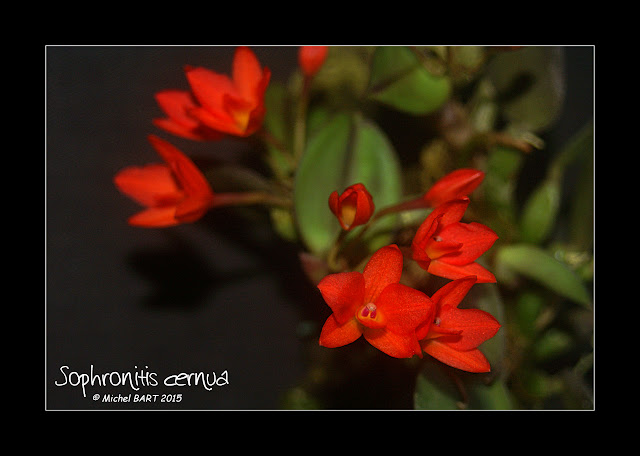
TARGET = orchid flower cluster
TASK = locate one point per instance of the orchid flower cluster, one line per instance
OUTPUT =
(397, 319)
(334, 190)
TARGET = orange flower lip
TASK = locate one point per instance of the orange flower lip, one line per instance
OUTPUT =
(369, 316)
(242, 119)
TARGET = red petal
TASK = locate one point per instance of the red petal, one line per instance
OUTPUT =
(453, 292)
(426, 230)
(188, 175)
(333, 203)
(150, 185)
(177, 129)
(192, 180)
(420, 257)
(344, 293)
(437, 220)
(470, 360)
(476, 239)
(404, 308)
(451, 271)
(247, 73)
(364, 205)
(155, 217)
(396, 345)
(456, 184)
(437, 247)
(255, 119)
(452, 211)
(422, 239)
(191, 209)
(476, 326)
(176, 104)
(221, 121)
(384, 268)
(311, 58)
(209, 87)
(334, 334)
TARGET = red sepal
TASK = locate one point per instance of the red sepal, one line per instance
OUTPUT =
(457, 184)
(470, 360)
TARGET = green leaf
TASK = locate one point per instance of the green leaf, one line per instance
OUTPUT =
(277, 117)
(435, 390)
(534, 263)
(581, 225)
(503, 165)
(440, 387)
(530, 85)
(540, 211)
(277, 122)
(528, 308)
(299, 399)
(347, 149)
(581, 218)
(400, 80)
(538, 384)
(551, 344)
(579, 146)
(493, 396)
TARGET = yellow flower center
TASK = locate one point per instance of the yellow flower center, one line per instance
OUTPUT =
(348, 213)
(241, 118)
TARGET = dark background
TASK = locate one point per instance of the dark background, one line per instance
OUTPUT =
(219, 295)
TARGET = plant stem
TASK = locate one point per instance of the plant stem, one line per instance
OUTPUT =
(415, 203)
(300, 124)
(250, 198)
(268, 138)
(332, 255)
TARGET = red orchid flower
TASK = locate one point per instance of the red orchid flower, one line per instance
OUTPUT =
(231, 105)
(174, 192)
(374, 304)
(456, 184)
(454, 335)
(311, 58)
(177, 105)
(445, 247)
(353, 207)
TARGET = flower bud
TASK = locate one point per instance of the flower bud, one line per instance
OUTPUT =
(353, 207)
(311, 59)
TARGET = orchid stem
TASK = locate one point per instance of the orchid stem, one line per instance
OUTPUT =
(300, 125)
(268, 138)
(250, 198)
(416, 203)
(332, 255)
